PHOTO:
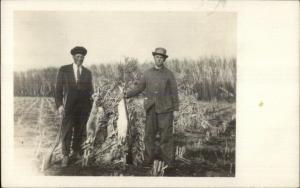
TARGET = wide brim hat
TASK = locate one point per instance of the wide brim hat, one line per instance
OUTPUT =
(79, 50)
(160, 51)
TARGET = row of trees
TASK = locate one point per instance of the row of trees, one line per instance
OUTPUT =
(35, 82)
(207, 78)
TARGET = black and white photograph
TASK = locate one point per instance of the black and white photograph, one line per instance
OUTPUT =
(164, 93)
(125, 93)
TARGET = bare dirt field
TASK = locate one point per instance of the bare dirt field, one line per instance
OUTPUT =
(210, 144)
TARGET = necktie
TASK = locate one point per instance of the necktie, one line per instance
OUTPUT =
(78, 74)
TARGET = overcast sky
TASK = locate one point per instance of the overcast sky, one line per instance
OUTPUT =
(43, 39)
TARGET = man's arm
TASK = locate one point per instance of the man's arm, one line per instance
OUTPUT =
(59, 89)
(174, 93)
(91, 87)
(138, 89)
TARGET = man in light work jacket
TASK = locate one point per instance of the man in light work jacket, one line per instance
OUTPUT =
(161, 100)
(73, 100)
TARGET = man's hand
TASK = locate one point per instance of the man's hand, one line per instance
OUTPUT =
(176, 113)
(61, 110)
(123, 92)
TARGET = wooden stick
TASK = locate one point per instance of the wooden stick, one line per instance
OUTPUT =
(47, 161)
(155, 163)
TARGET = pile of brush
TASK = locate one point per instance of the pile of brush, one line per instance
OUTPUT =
(114, 137)
(202, 118)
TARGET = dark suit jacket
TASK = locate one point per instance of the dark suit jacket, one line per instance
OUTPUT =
(68, 92)
(160, 90)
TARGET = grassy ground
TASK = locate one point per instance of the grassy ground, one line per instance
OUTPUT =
(211, 152)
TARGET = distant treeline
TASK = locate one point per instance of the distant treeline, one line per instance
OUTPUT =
(207, 78)
(35, 82)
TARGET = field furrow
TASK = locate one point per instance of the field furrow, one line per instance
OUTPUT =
(205, 130)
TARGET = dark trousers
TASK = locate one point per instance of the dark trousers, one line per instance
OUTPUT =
(74, 129)
(159, 142)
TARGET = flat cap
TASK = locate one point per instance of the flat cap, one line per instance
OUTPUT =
(79, 50)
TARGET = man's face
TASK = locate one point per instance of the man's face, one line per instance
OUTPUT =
(159, 60)
(78, 59)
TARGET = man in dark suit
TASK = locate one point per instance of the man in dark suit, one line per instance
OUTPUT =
(161, 100)
(73, 100)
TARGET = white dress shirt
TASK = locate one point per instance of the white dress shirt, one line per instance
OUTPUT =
(75, 67)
